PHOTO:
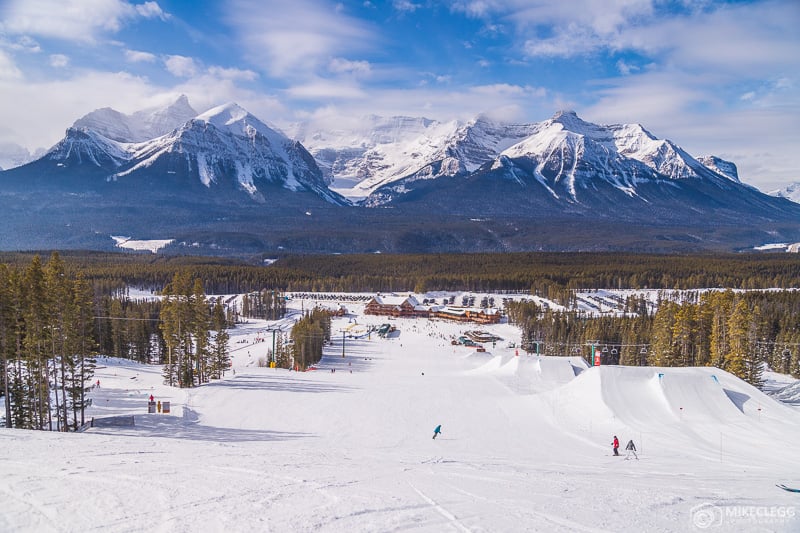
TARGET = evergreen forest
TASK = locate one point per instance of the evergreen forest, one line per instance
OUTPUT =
(57, 315)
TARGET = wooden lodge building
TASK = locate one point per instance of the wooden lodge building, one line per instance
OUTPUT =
(409, 307)
(396, 306)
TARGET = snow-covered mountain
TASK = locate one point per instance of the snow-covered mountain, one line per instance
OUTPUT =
(570, 158)
(357, 158)
(379, 150)
(384, 158)
(13, 155)
(720, 166)
(570, 151)
(225, 149)
(228, 144)
(141, 125)
(790, 192)
(227, 181)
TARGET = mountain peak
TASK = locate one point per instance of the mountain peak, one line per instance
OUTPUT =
(790, 192)
(568, 113)
(720, 166)
(570, 121)
(567, 117)
(224, 115)
(141, 125)
(237, 120)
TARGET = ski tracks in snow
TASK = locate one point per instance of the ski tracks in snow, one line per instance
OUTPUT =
(441, 510)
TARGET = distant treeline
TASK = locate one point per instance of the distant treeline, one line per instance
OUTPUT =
(735, 331)
(550, 275)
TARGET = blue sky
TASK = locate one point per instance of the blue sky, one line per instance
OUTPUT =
(714, 77)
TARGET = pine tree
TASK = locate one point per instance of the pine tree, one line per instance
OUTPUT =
(185, 322)
(118, 329)
(220, 358)
(19, 385)
(175, 325)
(83, 346)
(662, 336)
(59, 310)
(201, 323)
(683, 334)
(36, 374)
(6, 338)
(739, 340)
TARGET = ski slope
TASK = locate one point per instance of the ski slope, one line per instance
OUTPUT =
(525, 445)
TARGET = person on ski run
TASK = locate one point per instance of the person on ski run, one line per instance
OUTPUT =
(615, 444)
(631, 448)
(437, 430)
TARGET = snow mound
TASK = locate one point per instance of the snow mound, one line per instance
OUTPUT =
(531, 374)
(651, 395)
(789, 394)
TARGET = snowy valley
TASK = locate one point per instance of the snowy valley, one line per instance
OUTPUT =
(525, 443)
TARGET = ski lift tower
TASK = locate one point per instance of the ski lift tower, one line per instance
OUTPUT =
(594, 360)
(274, 359)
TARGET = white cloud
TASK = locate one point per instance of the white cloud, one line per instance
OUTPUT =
(40, 111)
(36, 113)
(599, 17)
(500, 101)
(232, 73)
(508, 90)
(180, 66)
(59, 60)
(743, 41)
(74, 20)
(343, 66)
(322, 89)
(477, 8)
(137, 56)
(568, 42)
(689, 110)
(24, 43)
(150, 10)
(8, 70)
(296, 39)
(626, 68)
(405, 6)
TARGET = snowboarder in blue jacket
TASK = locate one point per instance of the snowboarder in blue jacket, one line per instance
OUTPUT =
(437, 430)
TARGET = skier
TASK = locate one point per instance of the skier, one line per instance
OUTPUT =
(151, 398)
(437, 430)
(631, 448)
(615, 444)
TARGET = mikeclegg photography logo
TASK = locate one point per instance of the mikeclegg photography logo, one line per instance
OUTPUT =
(709, 515)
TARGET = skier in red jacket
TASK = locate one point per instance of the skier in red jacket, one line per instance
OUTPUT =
(615, 444)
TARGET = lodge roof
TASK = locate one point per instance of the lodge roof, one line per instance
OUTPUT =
(395, 300)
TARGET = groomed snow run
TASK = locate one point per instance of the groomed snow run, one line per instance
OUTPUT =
(525, 445)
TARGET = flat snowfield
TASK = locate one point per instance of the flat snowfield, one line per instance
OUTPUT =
(525, 445)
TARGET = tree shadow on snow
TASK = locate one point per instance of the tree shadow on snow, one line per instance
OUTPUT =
(187, 427)
(267, 383)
